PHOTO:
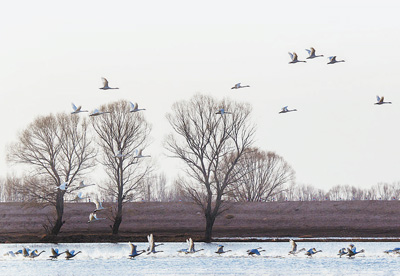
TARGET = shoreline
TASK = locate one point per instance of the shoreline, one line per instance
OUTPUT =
(328, 221)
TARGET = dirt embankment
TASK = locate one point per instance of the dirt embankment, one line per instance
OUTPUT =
(177, 221)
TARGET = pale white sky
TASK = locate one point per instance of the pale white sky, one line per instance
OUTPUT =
(159, 52)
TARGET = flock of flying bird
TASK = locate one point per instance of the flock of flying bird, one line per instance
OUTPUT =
(350, 252)
(311, 55)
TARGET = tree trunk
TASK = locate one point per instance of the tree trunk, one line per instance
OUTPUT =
(210, 219)
(117, 219)
(60, 211)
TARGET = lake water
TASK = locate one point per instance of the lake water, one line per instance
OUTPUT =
(111, 259)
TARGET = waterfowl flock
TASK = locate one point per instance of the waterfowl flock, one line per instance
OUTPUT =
(349, 252)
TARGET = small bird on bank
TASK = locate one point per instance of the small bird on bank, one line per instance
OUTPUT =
(238, 85)
(77, 109)
(333, 60)
(96, 112)
(294, 250)
(286, 110)
(105, 85)
(294, 58)
(70, 254)
(134, 252)
(220, 250)
(380, 100)
(311, 53)
(93, 217)
(255, 251)
(55, 254)
(135, 107)
(152, 245)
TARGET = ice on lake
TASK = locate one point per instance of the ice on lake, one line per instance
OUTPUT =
(112, 259)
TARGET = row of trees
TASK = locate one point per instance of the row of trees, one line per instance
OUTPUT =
(217, 150)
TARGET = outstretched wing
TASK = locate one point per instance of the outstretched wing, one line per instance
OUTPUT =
(105, 82)
(294, 245)
(74, 107)
(291, 55)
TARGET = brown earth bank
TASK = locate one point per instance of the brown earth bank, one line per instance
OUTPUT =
(176, 221)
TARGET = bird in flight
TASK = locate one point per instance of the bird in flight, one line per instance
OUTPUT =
(293, 56)
(105, 85)
(285, 110)
(96, 112)
(311, 53)
(77, 109)
(380, 100)
(238, 85)
(135, 107)
(333, 60)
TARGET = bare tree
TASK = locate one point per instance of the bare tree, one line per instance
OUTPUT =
(210, 145)
(58, 150)
(261, 176)
(121, 134)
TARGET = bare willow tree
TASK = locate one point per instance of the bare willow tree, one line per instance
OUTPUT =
(261, 176)
(210, 145)
(58, 150)
(121, 134)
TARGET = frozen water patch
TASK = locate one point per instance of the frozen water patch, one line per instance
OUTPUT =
(112, 259)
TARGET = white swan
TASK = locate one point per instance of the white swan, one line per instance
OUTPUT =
(119, 154)
(96, 112)
(238, 85)
(139, 154)
(255, 251)
(35, 253)
(135, 107)
(83, 185)
(294, 250)
(152, 245)
(99, 206)
(79, 196)
(311, 53)
(333, 60)
(294, 58)
(55, 254)
(105, 85)
(285, 110)
(77, 109)
(351, 251)
(93, 217)
(63, 186)
(191, 248)
(134, 252)
(220, 250)
(380, 100)
(312, 251)
(222, 112)
(71, 254)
